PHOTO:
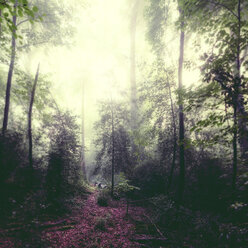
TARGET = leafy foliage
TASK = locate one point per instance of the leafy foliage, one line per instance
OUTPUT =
(64, 158)
(105, 136)
(23, 9)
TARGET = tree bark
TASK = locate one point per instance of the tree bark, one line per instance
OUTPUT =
(133, 24)
(174, 142)
(83, 163)
(0, 23)
(113, 151)
(240, 108)
(234, 176)
(10, 74)
(181, 118)
(242, 127)
(30, 138)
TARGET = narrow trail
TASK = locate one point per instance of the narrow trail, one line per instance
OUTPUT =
(91, 227)
(99, 227)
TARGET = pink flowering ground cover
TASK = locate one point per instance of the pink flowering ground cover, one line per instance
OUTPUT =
(93, 227)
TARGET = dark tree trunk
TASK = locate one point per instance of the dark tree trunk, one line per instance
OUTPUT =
(113, 151)
(30, 138)
(242, 127)
(0, 23)
(174, 142)
(10, 74)
(83, 163)
(242, 115)
(181, 119)
(234, 176)
(134, 111)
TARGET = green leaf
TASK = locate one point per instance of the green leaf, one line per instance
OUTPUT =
(20, 13)
(35, 9)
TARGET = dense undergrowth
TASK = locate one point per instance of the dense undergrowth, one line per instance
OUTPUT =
(49, 187)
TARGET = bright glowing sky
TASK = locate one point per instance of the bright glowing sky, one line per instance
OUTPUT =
(99, 57)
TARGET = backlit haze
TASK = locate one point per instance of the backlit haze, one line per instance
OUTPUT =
(98, 57)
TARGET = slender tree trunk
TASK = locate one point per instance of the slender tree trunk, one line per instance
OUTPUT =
(242, 115)
(0, 23)
(10, 74)
(83, 163)
(174, 142)
(234, 176)
(134, 111)
(113, 151)
(30, 139)
(181, 119)
(242, 127)
(237, 86)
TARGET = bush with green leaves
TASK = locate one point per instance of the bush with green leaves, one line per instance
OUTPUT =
(63, 173)
(124, 188)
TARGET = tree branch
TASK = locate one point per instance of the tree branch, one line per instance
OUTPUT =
(216, 3)
(22, 22)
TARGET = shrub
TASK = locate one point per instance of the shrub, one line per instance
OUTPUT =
(63, 173)
(123, 188)
(103, 198)
(150, 178)
(207, 186)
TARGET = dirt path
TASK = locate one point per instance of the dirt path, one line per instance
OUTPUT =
(92, 227)
(98, 227)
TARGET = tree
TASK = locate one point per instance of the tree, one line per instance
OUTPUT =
(112, 141)
(134, 110)
(83, 164)
(227, 62)
(181, 114)
(30, 152)
(113, 150)
(18, 8)
(157, 93)
(7, 9)
(50, 31)
(63, 173)
(53, 27)
(10, 73)
(174, 136)
(157, 16)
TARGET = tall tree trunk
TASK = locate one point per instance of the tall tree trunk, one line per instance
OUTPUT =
(234, 175)
(0, 23)
(133, 87)
(242, 127)
(10, 74)
(181, 118)
(174, 142)
(113, 151)
(30, 139)
(83, 163)
(240, 106)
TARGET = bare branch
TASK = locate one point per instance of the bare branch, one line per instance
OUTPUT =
(22, 22)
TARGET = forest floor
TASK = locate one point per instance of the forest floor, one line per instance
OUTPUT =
(91, 226)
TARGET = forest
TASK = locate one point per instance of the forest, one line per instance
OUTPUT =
(124, 123)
